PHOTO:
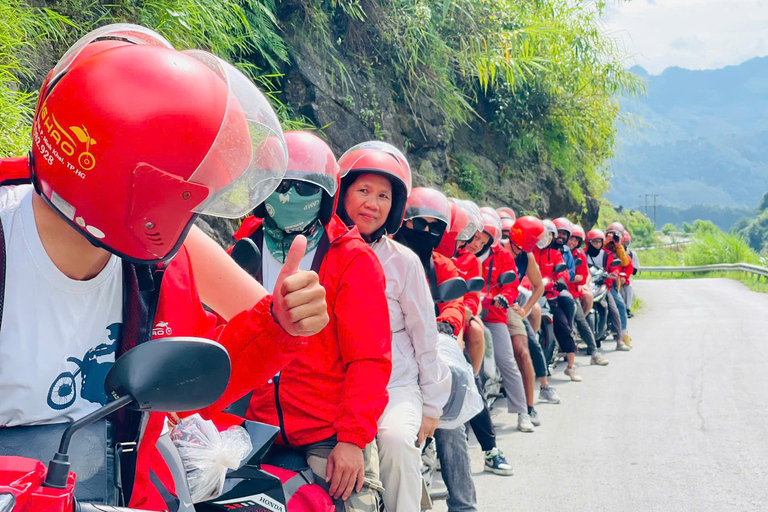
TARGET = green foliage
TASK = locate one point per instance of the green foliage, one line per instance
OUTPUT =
(20, 27)
(763, 204)
(668, 228)
(638, 225)
(467, 177)
(710, 247)
(755, 231)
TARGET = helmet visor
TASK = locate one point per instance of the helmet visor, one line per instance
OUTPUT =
(119, 31)
(249, 156)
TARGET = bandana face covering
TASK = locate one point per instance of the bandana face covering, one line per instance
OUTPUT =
(289, 215)
(593, 251)
(420, 242)
(292, 212)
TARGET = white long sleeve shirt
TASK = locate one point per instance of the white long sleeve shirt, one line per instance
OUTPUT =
(414, 330)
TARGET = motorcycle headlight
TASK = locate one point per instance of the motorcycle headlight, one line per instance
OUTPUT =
(7, 502)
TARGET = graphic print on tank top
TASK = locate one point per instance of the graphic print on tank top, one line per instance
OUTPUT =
(87, 375)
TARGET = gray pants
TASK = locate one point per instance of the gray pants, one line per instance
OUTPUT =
(584, 330)
(628, 294)
(504, 355)
(452, 450)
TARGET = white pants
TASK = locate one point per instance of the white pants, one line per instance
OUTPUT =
(399, 456)
(628, 294)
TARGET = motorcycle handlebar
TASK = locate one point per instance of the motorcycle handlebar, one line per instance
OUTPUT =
(92, 507)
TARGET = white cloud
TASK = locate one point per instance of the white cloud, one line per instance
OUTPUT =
(693, 34)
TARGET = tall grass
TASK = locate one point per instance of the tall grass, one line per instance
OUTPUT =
(708, 248)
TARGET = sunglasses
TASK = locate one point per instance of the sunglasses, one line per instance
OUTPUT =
(302, 187)
(436, 228)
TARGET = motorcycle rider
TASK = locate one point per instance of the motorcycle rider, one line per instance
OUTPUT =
(599, 258)
(519, 331)
(375, 184)
(549, 259)
(579, 289)
(522, 238)
(627, 293)
(496, 260)
(614, 235)
(329, 399)
(427, 217)
(474, 330)
(131, 141)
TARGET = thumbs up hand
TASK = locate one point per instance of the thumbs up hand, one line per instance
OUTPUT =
(298, 302)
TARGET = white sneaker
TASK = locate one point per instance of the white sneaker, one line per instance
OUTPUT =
(573, 373)
(535, 418)
(598, 359)
(524, 423)
(621, 347)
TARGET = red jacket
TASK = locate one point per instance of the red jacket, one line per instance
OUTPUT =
(469, 266)
(581, 270)
(250, 336)
(627, 271)
(451, 312)
(498, 262)
(547, 260)
(339, 385)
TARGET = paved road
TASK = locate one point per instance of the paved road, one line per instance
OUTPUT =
(678, 424)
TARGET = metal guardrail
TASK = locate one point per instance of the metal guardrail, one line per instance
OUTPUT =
(755, 270)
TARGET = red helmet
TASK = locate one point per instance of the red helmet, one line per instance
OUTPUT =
(563, 224)
(617, 227)
(376, 157)
(526, 232)
(505, 212)
(492, 227)
(627, 238)
(428, 202)
(457, 232)
(595, 234)
(311, 160)
(132, 140)
(578, 232)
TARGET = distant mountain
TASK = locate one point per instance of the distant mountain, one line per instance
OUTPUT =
(697, 137)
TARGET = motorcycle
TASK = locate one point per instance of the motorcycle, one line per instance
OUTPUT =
(173, 374)
(597, 318)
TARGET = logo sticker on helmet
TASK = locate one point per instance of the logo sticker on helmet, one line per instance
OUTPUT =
(66, 143)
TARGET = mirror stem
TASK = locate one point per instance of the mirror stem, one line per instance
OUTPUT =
(58, 468)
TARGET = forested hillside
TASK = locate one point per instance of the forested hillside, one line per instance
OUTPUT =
(696, 138)
(504, 101)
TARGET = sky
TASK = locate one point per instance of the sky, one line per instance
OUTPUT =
(692, 34)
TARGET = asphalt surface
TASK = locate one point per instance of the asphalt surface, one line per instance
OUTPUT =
(680, 423)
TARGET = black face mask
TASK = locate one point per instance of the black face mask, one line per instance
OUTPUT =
(420, 242)
(592, 250)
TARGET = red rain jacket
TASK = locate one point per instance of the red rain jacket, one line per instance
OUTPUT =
(451, 312)
(469, 266)
(338, 386)
(547, 260)
(581, 270)
(498, 262)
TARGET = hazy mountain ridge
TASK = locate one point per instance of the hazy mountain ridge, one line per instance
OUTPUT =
(697, 137)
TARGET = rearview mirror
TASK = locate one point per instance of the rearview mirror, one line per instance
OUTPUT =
(247, 255)
(508, 277)
(615, 264)
(452, 289)
(579, 262)
(170, 375)
(475, 284)
(560, 267)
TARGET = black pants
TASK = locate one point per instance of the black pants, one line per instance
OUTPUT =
(562, 326)
(482, 425)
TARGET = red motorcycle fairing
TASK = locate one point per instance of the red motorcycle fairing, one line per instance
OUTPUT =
(24, 478)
